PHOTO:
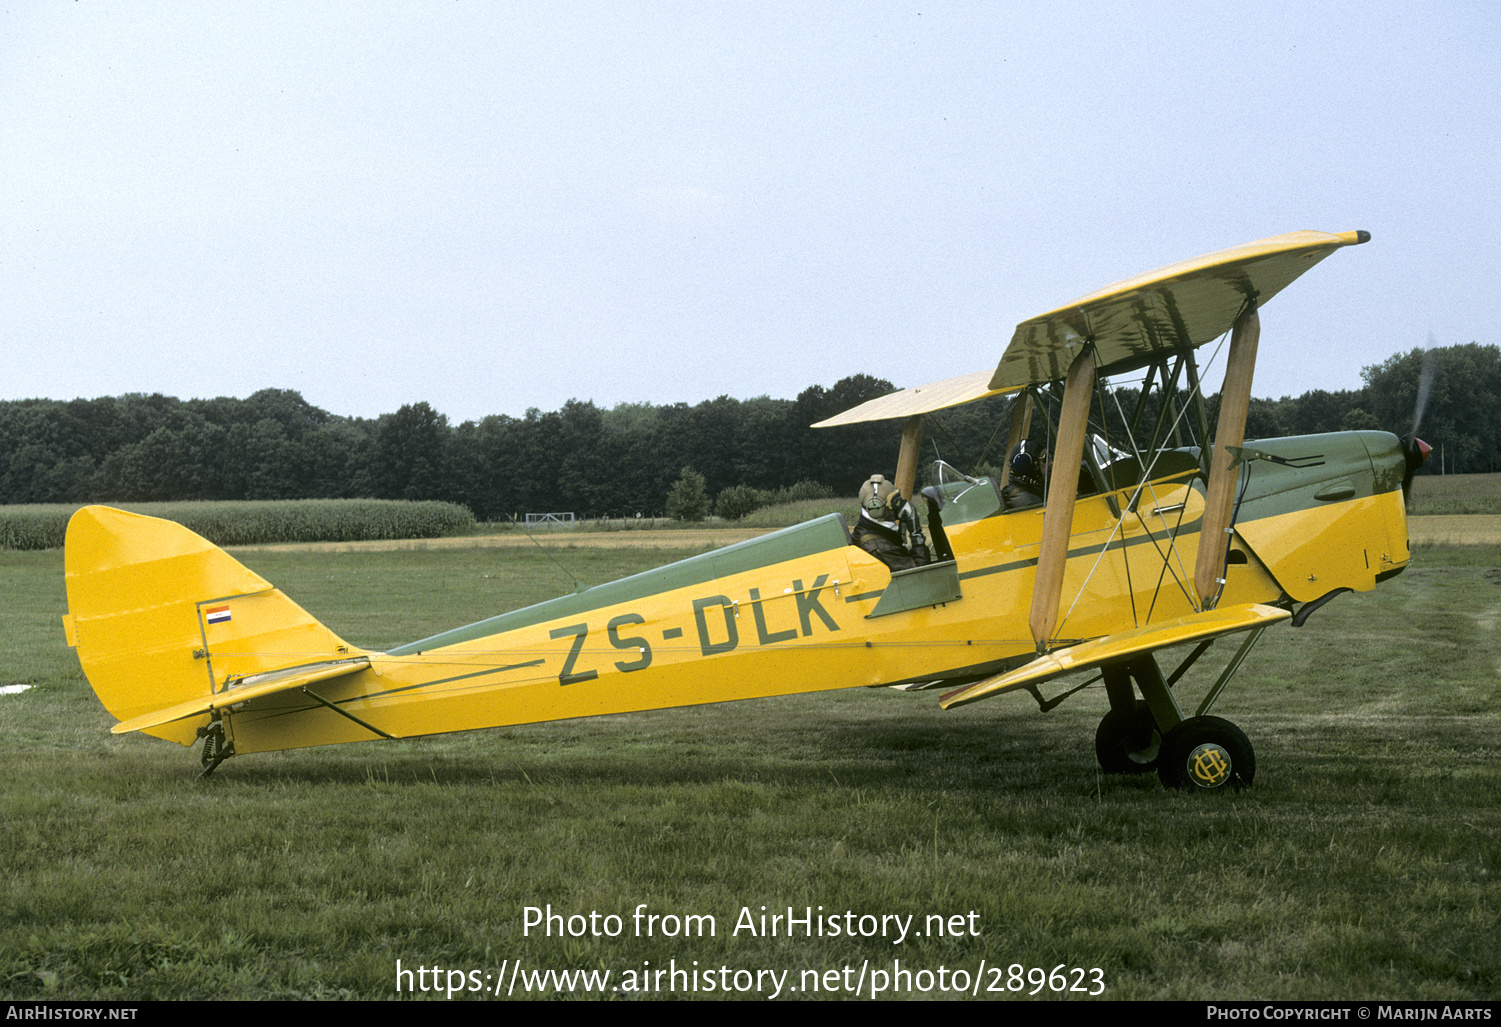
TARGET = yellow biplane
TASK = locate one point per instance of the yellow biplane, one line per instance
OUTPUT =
(1161, 541)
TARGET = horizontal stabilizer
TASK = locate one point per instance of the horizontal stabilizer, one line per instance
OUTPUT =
(1120, 646)
(242, 691)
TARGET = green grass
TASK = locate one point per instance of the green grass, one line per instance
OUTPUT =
(1365, 863)
(1456, 494)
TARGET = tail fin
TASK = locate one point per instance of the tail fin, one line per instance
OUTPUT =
(161, 616)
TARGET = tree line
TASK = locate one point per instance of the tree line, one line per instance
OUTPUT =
(619, 461)
(581, 458)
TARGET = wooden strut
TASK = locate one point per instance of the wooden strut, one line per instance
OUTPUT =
(1063, 487)
(1235, 403)
(1021, 424)
(906, 461)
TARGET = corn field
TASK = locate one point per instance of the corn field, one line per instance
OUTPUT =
(239, 523)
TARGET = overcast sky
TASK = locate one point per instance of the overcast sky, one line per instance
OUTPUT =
(495, 206)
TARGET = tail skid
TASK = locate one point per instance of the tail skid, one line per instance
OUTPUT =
(165, 622)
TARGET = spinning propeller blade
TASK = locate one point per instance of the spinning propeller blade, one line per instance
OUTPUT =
(1425, 386)
(1413, 447)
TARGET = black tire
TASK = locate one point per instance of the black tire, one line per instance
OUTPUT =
(1127, 741)
(1207, 754)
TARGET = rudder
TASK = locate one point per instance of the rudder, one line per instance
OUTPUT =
(159, 616)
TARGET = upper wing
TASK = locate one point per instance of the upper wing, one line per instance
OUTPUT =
(1184, 304)
(1096, 653)
(921, 399)
(1130, 323)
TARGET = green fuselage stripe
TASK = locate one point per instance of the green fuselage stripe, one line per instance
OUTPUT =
(800, 540)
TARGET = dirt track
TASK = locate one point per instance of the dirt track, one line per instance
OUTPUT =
(1463, 529)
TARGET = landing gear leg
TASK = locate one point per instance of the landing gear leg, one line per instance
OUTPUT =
(216, 748)
(1201, 753)
(1129, 739)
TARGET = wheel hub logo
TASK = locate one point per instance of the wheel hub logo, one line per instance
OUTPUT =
(1209, 766)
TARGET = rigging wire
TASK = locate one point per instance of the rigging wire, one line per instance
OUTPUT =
(1195, 392)
(578, 586)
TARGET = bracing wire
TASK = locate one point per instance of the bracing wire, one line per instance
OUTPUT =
(1145, 483)
(577, 584)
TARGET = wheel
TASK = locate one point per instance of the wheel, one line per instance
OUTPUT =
(1127, 741)
(1207, 754)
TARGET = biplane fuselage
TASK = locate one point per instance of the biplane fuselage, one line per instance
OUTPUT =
(1165, 547)
(798, 610)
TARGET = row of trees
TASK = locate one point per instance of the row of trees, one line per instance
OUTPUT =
(615, 462)
(276, 445)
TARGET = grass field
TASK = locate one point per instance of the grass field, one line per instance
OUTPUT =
(1365, 862)
(1456, 494)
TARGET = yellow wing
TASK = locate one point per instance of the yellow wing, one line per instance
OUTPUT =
(920, 399)
(1130, 323)
(1097, 652)
(1184, 304)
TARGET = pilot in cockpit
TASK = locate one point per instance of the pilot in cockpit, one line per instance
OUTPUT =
(1024, 487)
(887, 527)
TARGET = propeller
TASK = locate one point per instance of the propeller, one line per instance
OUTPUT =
(1413, 448)
(1425, 384)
